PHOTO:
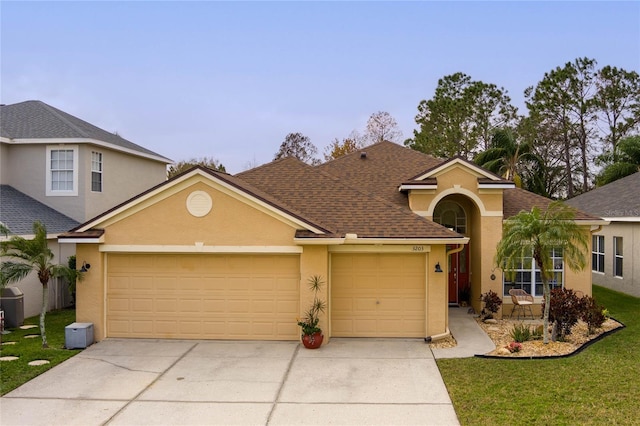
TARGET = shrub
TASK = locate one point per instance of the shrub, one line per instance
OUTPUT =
(564, 311)
(492, 304)
(593, 314)
(537, 333)
(521, 333)
(514, 347)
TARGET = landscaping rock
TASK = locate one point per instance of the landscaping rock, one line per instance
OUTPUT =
(503, 351)
(491, 321)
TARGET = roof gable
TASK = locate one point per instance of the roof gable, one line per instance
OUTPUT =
(473, 168)
(221, 181)
(33, 120)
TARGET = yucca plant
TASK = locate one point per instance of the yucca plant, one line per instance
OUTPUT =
(309, 322)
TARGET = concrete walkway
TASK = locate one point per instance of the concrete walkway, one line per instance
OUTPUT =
(170, 382)
(469, 335)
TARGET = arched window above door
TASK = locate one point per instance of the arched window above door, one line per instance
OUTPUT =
(451, 215)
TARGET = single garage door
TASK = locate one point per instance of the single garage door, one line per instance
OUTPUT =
(203, 296)
(377, 295)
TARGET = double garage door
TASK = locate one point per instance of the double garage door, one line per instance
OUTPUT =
(203, 296)
(256, 297)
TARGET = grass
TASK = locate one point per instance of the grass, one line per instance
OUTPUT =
(601, 385)
(15, 373)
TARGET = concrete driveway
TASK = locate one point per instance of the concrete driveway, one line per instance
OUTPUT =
(154, 382)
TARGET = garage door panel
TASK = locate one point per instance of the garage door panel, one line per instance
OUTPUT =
(190, 306)
(140, 305)
(378, 295)
(208, 296)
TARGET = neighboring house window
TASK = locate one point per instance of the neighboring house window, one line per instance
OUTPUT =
(617, 258)
(96, 171)
(597, 253)
(527, 276)
(62, 171)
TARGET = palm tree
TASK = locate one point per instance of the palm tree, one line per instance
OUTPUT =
(505, 156)
(625, 161)
(27, 256)
(537, 233)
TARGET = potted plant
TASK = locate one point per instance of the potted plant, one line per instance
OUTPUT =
(312, 334)
(464, 295)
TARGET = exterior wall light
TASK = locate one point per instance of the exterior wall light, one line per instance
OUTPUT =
(85, 267)
(438, 268)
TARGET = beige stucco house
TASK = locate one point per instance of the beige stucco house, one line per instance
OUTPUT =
(397, 236)
(62, 171)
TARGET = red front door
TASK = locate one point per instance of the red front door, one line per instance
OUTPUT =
(458, 272)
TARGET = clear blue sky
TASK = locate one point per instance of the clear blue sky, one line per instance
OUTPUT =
(232, 79)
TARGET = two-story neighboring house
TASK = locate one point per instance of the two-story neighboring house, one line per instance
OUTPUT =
(61, 170)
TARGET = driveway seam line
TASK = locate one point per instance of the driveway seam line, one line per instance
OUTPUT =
(150, 384)
(284, 379)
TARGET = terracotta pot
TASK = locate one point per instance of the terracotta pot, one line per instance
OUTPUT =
(312, 341)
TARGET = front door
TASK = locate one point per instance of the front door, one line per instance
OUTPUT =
(458, 274)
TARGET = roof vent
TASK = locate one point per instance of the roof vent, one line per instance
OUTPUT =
(363, 155)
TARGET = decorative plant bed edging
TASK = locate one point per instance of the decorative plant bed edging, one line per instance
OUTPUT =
(574, 352)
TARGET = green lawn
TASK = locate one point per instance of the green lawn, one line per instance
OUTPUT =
(601, 385)
(15, 373)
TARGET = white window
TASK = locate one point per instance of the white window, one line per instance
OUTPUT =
(617, 258)
(597, 253)
(62, 170)
(96, 171)
(527, 276)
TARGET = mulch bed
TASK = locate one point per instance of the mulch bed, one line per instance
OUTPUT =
(500, 333)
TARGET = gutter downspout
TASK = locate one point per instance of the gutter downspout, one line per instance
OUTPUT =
(456, 250)
(435, 337)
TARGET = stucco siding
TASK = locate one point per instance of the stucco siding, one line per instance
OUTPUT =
(4, 163)
(231, 222)
(27, 174)
(629, 283)
(123, 177)
(24, 167)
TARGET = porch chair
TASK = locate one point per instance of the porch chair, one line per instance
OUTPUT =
(522, 300)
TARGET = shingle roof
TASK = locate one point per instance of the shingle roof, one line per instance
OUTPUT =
(516, 200)
(37, 120)
(620, 198)
(326, 199)
(18, 212)
(385, 166)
